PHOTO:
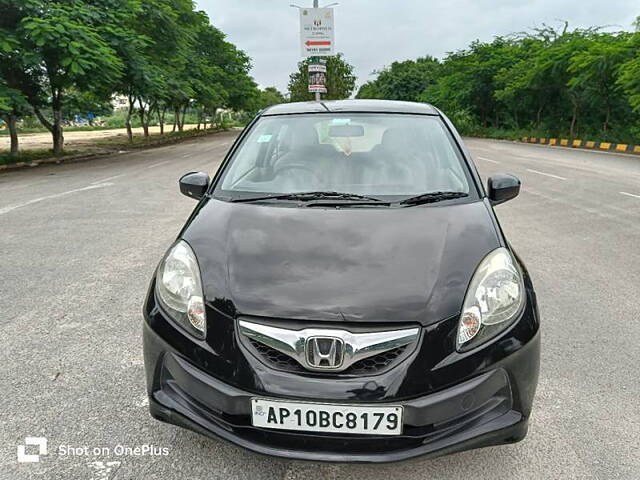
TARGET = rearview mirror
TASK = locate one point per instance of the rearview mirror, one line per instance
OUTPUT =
(194, 184)
(343, 131)
(502, 187)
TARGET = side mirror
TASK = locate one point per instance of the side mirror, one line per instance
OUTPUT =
(502, 187)
(194, 184)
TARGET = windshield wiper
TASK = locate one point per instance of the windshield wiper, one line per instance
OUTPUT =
(310, 196)
(432, 197)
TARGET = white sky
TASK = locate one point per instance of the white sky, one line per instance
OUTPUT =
(373, 34)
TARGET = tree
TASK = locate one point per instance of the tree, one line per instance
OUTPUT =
(215, 74)
(551, 81)
(516, 88)
(269, 96)
(232, 74)
(553, 65)
(403, 80)
(369, 90)
(263, 99)
(13, 105)
(18, 82)
(340, 80)
(595, 71)
(155, 59)
(208, 78)
(66, 56)
(629, 71)
(68, 46)
(469, 78)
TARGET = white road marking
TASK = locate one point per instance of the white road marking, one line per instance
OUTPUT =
(629, 194)
(186, 155)
(488, 160)
(546, 174)
(123, 174)
(107, 179)
(9, 208)
(156, 164)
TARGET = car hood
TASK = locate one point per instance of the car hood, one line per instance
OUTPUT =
(345, 265)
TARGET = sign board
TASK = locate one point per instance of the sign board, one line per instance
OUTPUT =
(316, 32)
(317, 78)
(314, 68)
(317, 89)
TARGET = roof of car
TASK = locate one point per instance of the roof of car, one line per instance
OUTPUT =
(338, 106)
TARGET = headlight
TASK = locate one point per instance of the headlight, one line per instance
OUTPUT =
(179, 288)
(494, 298)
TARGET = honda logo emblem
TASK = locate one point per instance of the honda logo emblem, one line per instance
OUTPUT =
(324, 353)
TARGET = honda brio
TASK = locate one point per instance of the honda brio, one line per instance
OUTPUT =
(343, 291)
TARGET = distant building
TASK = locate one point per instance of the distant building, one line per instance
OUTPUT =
(119, 102)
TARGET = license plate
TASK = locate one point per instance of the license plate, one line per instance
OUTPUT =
(320, 417)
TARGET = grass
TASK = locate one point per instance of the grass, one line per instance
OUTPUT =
(154, 138)
(88, 128)
(513, 134)
(468, 126)
(115, 120)
(29, 156)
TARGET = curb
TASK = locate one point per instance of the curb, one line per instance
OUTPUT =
(59, 160)
(583, 144)
(103, 153)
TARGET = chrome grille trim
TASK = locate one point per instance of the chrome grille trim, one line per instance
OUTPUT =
(357, 346)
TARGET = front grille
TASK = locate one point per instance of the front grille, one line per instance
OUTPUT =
(276, 359)
(382, 361)
(367, 366)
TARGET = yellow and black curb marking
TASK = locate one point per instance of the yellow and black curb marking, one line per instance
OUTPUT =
(588, 145)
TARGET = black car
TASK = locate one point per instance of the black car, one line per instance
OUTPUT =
(343, 291)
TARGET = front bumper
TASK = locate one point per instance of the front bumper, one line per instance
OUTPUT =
(490, 407)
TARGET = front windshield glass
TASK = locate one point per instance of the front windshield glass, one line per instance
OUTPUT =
(380, 155)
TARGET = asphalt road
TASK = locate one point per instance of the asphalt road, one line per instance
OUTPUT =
(79, 242)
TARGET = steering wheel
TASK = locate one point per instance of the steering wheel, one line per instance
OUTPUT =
(297, 166)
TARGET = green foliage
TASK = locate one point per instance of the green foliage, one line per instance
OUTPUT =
(62, 57)
(469, 79)
(402, 80)
(369, 90)
(340, 80)
(270, 96)
(12, 101)
(67, 41)
(549, 82)
(629, 72)
(57, 47)
(265, 98)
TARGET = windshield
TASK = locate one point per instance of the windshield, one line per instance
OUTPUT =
(381, 155)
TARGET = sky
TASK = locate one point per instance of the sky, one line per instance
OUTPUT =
(373, 34)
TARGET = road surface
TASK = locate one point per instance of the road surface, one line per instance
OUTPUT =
(79, 242)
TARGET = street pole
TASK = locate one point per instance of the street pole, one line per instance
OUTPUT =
(318, 98)
(319, 65)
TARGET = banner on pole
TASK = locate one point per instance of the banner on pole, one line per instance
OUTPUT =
(318, 77)
(316, 32)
